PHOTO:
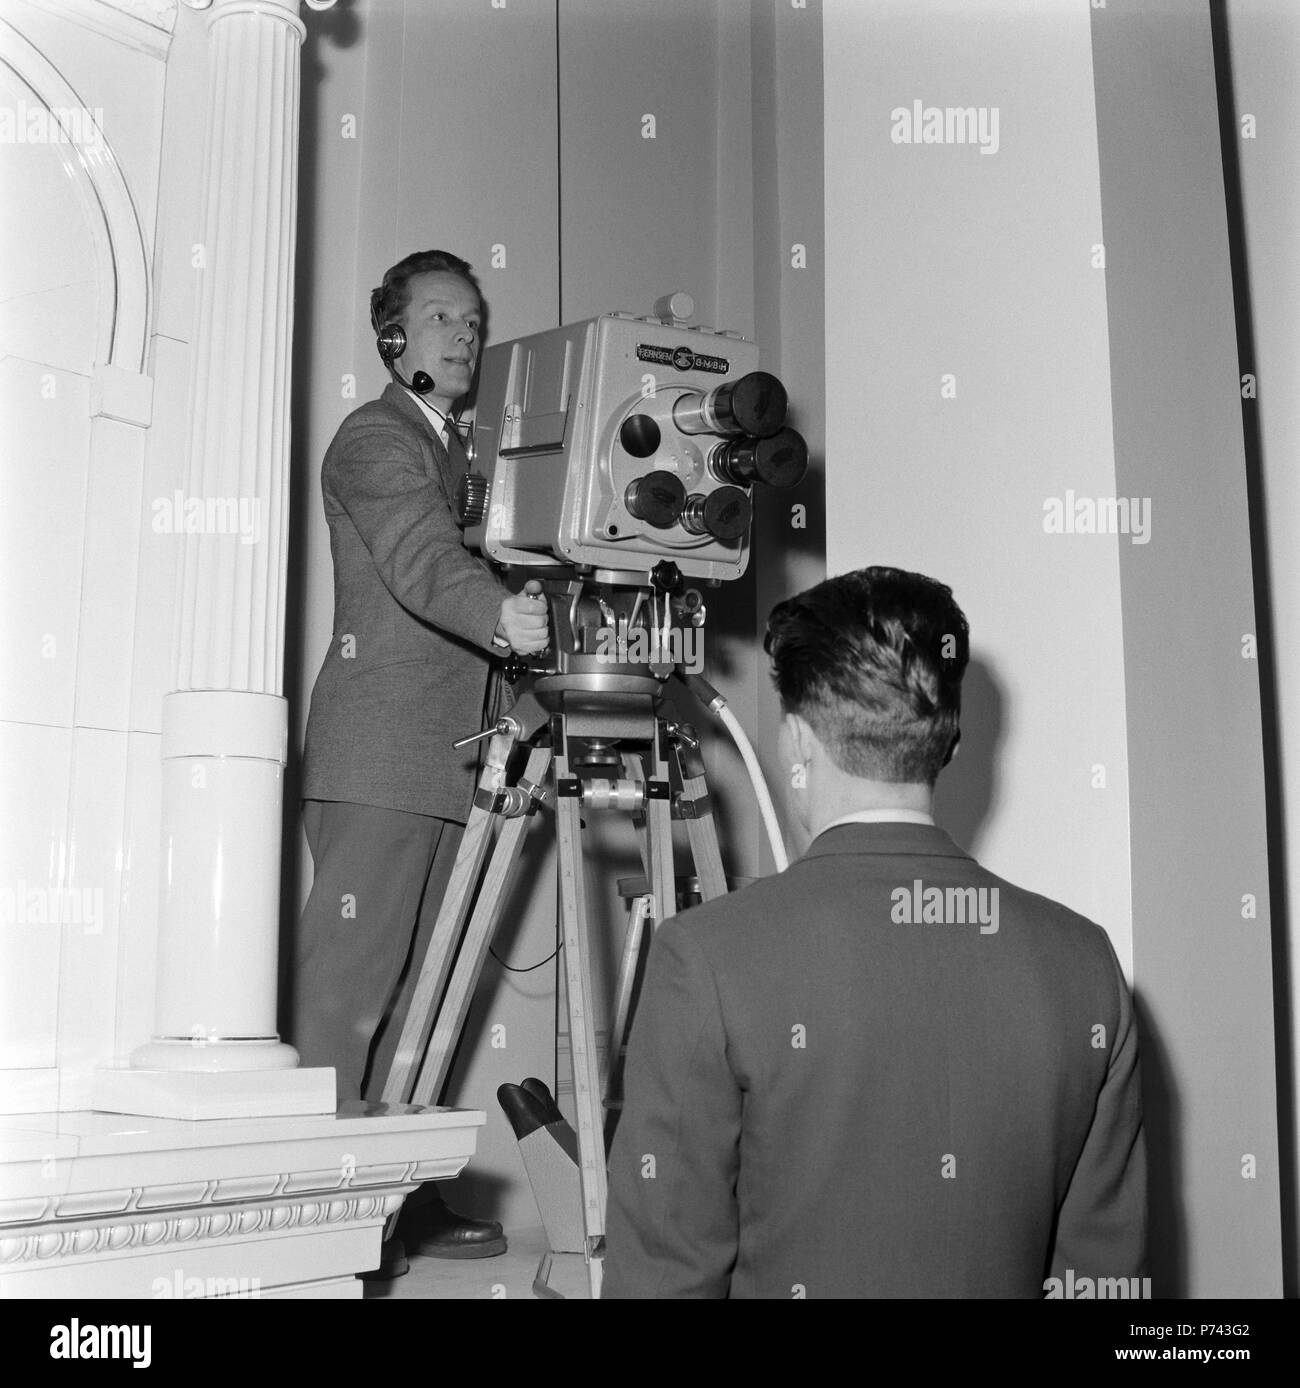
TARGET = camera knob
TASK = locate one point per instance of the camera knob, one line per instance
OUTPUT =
(471, 498)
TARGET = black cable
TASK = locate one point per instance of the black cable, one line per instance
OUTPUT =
(559, 179)
(511, 968)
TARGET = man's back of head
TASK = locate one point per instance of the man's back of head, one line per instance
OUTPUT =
(868, 666)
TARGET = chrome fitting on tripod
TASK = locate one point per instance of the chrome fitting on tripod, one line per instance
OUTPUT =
(511, 801)
(601, 793)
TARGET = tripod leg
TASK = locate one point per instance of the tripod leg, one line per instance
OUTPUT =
(469, 963)
(446, 930)
(703, 834)
(697, 811)
(623, 1006)
(659, 831)
(582, 1035)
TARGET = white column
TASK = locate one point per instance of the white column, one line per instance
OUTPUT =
(215, 1050)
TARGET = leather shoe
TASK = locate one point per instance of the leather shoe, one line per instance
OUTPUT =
(433, 1230)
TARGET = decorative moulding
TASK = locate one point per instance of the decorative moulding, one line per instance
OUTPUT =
(144, 25)
(121, 256)
(117, 1237)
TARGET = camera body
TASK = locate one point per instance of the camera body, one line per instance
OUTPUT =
(619, 442)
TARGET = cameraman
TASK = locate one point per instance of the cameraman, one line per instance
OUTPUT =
(417, 620)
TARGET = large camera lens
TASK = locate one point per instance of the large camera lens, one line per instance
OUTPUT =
(725, 514)
(780, 461)
(656, 499)
(754, 404)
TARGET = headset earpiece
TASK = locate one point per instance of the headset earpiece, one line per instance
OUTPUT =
(391, 341)
(390, 337)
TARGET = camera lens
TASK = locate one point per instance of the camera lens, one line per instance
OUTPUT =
(639, 435)
(779, 461)
(656, 499)
(754, 404)
(725, 514)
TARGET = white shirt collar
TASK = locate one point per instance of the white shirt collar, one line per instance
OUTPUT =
(440, 422)
(880, 817)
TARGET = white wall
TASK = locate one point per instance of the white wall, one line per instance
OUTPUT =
(940, 260)
(1112, 754)
(1202, 952)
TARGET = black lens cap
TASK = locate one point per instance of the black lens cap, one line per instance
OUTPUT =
(758, 404)
(781, 460)
(656, 499)
(727, 513)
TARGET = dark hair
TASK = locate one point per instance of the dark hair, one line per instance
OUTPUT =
(873, 660)
(389, 301)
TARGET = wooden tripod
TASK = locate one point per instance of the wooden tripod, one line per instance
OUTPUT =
(576, 736)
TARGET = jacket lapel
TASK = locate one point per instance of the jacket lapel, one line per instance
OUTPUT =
(448, 472)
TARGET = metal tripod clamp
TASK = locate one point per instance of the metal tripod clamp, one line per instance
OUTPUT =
(512, 801)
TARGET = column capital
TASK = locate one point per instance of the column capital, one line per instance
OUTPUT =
(291, 5)
(287, 10)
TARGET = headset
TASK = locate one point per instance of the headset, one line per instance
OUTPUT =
(390, 339)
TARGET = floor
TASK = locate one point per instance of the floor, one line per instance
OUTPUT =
(508, 1275)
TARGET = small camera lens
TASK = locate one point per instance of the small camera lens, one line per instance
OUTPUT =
(639, 435)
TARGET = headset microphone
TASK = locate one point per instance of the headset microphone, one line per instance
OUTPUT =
(390, 339)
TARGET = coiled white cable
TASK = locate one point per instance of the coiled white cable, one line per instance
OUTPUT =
(716, 704)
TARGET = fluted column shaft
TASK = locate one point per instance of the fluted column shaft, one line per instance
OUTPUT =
(229, 625)
(225, 723)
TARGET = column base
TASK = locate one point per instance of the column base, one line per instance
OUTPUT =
(214, 1093)
(220, 1053)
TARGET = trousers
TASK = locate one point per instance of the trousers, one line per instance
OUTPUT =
(380, 876)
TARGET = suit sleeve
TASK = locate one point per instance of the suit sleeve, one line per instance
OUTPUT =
(1101, 1228)
(404, 518)
(673, 1220)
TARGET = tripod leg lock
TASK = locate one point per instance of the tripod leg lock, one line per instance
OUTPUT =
(698, 808)
(511, 801)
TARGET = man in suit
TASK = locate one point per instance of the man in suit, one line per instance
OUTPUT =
(885, 1072)
(417, 621)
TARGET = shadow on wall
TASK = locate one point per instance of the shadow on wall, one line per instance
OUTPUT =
(965, 799)
(967, 792)
(1265, 573)
(1166, 1230)
(336, 28)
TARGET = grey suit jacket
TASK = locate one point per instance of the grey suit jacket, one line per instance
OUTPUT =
(828, 1098)
(414, 613)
